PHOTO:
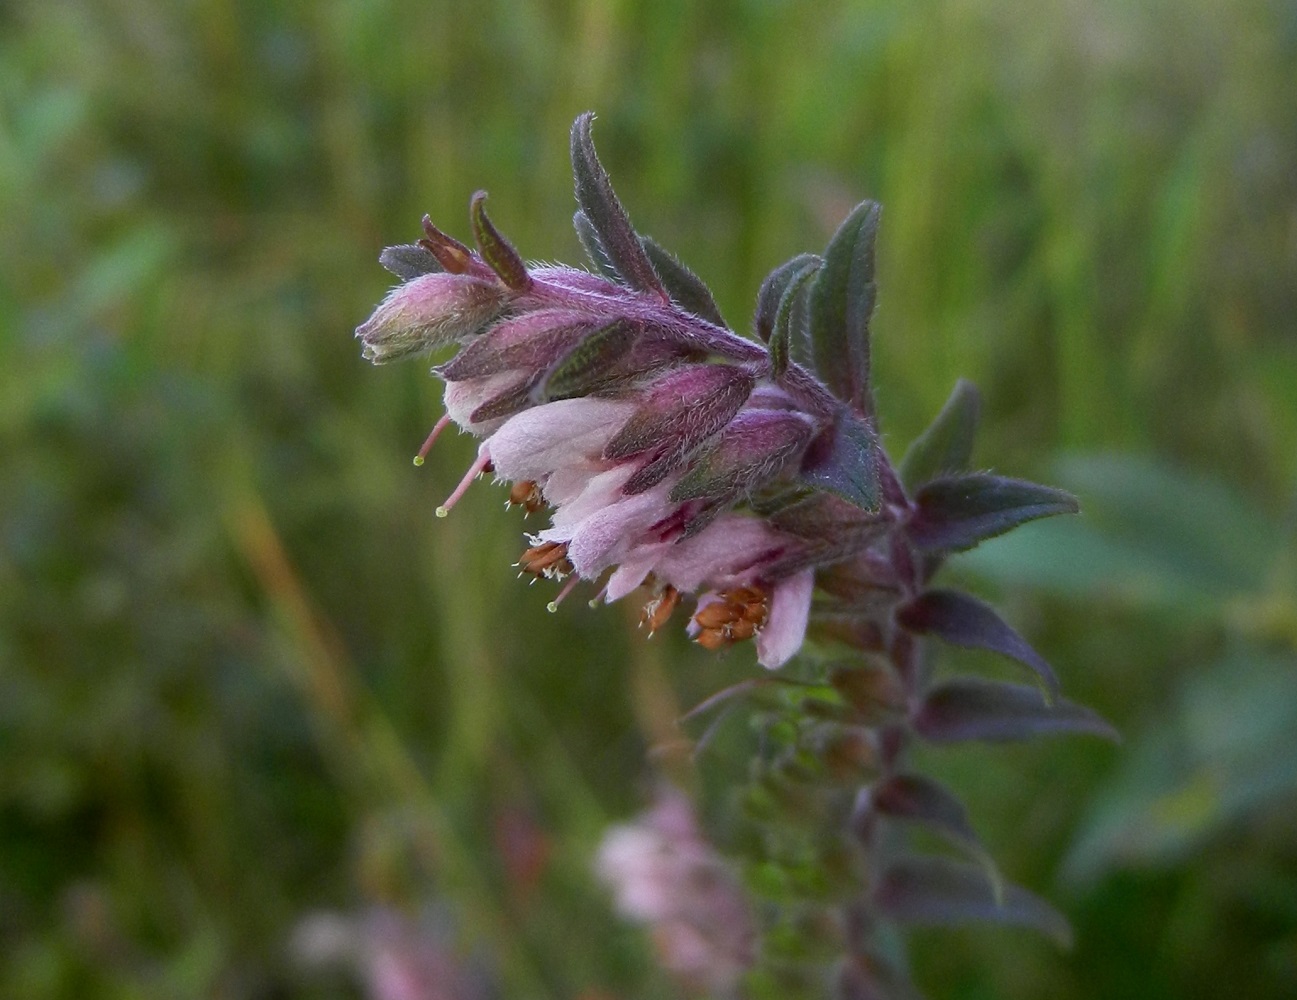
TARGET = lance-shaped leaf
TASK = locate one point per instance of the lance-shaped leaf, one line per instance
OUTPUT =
(773, 288)
(970, 708)
(607, 217)
(409, 260)
(916, 799)
(530, 341)
(594, 247)
(939, 892)
(844, 461)
(842, 301)
(754, 448)
(589, 364)
(964, 621)
(821, 515)
(788, 317)
(496, 250)
(946, 447)
(686, 288)
(956, 512)
(913, 798)
(679, 412)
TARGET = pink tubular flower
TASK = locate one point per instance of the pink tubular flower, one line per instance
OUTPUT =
(667, 446)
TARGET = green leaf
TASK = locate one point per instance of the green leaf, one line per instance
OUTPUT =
(686, 288)
(913, 798)
(772, 291)
(842, 301)
(587, 364)
(498, 252)
(608, 219)
(938, 892)
(782, 332)
(409, 260)
(946, 447)
(593, 247)
(844, 461)
(962, 620)
(957, 512)
(969, 708)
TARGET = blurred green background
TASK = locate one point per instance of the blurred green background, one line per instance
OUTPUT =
(247, 680)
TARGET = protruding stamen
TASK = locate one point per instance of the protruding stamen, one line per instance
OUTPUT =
(595, 601)
(568, 587)
(479, 466)
(435, 433)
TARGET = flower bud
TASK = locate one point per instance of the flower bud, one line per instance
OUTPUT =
(427, 312)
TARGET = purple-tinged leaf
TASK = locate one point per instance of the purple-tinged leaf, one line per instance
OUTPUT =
(593, 247)
(607, 217)
(409, 260)
(913, 798)
(970, 708)
(752, 450)
(964, 621)
(680, 404)
(496, 250)
(844, 461)
(773, 288)
(957, 512)
(786, 318)
(530, 341)
(823, 516)
(842, 300)
(946, 447)
(590, 363)
(451, 254)
(686, 289)
(679, 413)
(506, 403)
(938, 892)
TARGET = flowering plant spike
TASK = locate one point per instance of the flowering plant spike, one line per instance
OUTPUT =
(744, 478)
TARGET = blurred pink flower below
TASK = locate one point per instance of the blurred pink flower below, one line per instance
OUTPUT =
(665, 875)
(393, 956)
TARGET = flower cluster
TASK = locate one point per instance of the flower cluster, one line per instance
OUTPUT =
(652, 431)
(745, 475)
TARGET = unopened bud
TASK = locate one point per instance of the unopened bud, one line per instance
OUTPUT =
(427, 312)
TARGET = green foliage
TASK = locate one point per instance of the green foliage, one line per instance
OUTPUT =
(247, 676)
